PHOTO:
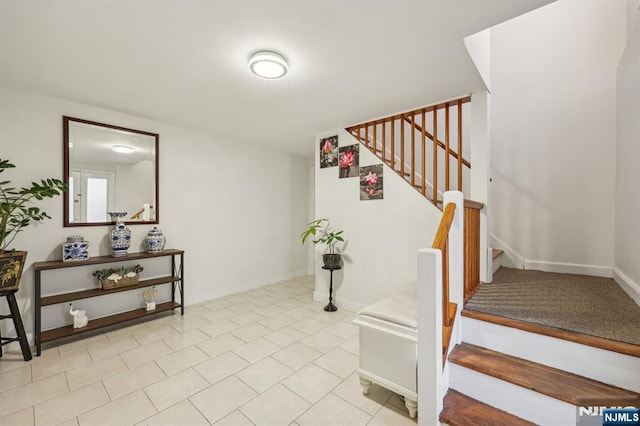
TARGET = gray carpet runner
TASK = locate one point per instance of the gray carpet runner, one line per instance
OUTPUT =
(584, 304)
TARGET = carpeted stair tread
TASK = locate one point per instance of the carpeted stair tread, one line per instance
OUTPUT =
(584, 304)
(555, 383)
(558, 333)
(461, 410)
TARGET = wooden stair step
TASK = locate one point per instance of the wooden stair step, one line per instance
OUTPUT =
(497, 252)
(571, 336)
(555, 383)
(461, 410)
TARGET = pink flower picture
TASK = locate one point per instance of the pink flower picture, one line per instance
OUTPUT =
(371, 182)
(371, 178)
(329, 152)
(348, 161)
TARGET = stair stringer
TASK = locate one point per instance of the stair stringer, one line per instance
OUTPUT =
(594, 363)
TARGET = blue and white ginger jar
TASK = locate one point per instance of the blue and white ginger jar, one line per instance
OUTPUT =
(76, 248)
(154, 241)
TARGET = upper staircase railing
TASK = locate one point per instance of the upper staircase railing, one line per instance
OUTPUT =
(424, 146)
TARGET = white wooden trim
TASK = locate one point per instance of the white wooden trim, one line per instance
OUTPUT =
(513, 259)
(569, 268)
(628, 285)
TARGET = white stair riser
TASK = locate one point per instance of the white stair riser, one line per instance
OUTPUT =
(597, 364)
(524, 403)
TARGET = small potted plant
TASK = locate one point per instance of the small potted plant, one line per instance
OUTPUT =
(322, 233)
(16, 213)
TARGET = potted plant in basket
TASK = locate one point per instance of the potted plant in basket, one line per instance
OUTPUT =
(322, 233)
(16, 213)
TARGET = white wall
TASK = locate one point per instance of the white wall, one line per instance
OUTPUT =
(133, 188)
(627, 202)
(553, 115)
(633, 16)
(383, 235)
(479, 47)
(237, 210)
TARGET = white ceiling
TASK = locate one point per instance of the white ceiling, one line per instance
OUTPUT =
(185, 61)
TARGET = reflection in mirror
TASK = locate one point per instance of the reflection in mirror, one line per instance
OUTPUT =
(109, 169)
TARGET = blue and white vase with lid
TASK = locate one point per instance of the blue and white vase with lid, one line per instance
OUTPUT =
(120, 235)
(154, 241)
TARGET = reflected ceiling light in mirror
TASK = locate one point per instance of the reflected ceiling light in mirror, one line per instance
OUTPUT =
(268, 64)
(122, 149)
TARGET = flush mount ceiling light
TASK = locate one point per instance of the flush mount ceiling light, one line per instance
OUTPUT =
(122, 149)
(267, 64)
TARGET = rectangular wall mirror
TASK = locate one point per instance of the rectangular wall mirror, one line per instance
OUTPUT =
(109, 169)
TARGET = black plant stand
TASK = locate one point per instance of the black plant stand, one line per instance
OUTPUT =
(331, 307)
(17, 323)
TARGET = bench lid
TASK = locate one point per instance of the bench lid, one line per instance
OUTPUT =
(401, 309)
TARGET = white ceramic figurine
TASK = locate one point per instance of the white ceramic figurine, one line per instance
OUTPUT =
(80, 318)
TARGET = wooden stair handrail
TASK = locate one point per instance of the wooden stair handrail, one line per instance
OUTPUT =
(440, 242)
(137, 214)
(442, 234)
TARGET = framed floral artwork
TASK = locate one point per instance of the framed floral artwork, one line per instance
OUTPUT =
(371, 184)
(329, 152)
(348, 161)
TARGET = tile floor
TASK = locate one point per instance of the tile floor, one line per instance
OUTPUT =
(269, 356)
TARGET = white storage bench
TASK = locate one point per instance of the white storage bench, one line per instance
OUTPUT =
(389, 345)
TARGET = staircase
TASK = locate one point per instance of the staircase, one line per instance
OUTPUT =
(505, 368)
(499, 371)
(428, 147)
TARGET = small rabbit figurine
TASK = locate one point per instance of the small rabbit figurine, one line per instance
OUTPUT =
(80, 318)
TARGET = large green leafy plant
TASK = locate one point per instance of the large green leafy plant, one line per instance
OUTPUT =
(16, 205)
(322, 233)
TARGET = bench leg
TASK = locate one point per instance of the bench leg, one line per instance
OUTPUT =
(412, 406)
(366, 384)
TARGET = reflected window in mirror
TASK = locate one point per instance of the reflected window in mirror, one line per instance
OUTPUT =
(109, 169)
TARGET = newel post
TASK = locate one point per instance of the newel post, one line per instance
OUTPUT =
(430, 375)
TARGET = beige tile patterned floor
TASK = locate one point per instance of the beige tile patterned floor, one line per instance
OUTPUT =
(269, 356)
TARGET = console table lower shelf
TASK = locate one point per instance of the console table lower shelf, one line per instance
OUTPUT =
(66, 331)
(175, 278)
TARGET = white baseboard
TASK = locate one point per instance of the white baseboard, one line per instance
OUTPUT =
(631, 287)
(510, 258)
(569, 268)
(192, 299)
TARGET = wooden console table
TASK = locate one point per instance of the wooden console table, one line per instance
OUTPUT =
(176, 278)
